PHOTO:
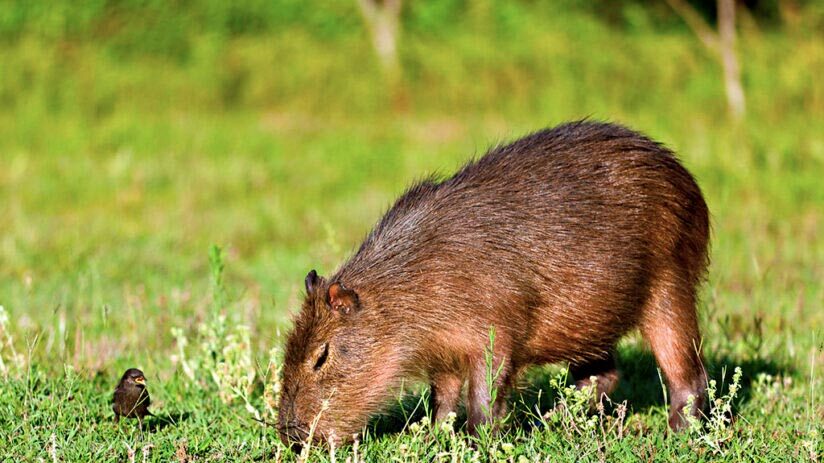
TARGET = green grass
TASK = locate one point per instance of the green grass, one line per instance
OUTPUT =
(120, 166)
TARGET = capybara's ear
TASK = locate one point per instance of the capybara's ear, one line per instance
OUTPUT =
(341, 298)
(311, 281)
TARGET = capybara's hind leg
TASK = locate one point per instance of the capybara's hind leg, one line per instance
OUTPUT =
(604, 372)
(670, 326)
(445, 393)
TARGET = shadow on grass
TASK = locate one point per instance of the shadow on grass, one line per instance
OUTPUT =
(159, 422)
(410, 408)
(640, 386)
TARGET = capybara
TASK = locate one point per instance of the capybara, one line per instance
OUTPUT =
(562, 242)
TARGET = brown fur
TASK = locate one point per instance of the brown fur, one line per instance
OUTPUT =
(563, 241)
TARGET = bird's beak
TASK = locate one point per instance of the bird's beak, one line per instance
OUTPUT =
(140, 380)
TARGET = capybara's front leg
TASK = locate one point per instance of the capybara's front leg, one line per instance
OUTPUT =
(480, 406)
(445, 393)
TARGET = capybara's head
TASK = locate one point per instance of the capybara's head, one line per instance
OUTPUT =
(338, 369)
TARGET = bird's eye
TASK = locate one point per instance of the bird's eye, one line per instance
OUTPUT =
(322, 357)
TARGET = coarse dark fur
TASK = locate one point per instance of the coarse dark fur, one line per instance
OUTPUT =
(563, 241)
(131, 398)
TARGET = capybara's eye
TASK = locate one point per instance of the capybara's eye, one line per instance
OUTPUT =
(322, 357)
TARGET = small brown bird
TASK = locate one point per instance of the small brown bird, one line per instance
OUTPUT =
(131, 398)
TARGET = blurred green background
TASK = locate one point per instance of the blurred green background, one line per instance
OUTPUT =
(134, 134)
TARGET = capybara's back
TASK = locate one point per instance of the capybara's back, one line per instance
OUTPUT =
(561, 242)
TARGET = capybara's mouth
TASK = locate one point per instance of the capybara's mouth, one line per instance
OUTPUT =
(293, 433)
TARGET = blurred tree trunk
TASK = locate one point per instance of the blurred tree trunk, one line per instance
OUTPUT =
(382, 19)
(729, 58)
(722, 44)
